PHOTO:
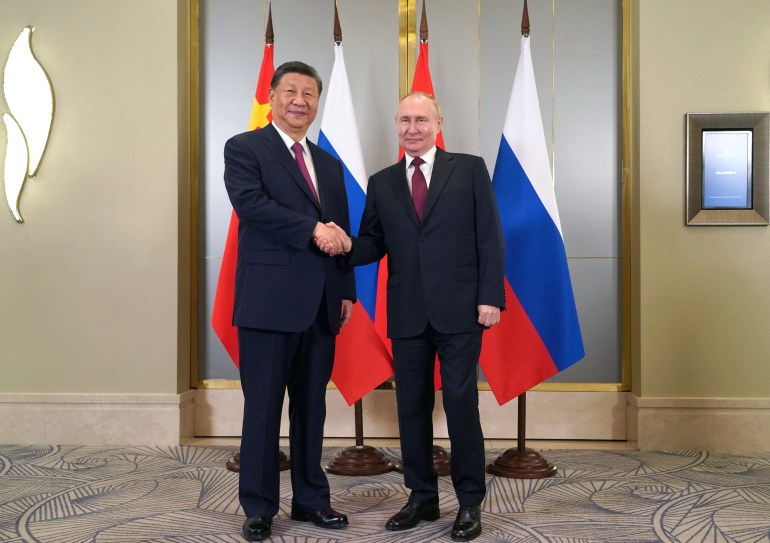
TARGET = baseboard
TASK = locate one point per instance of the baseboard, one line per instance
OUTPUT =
(703, 424)
(549, 415)
(713, 424)
(96, 419)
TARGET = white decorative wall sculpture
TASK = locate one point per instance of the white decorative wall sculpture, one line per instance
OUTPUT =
(29, 96)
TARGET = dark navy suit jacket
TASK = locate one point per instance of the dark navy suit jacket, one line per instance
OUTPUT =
(281, 276)
(439, 270)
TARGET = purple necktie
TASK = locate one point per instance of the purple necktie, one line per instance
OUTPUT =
(299, 153)
(419, 187)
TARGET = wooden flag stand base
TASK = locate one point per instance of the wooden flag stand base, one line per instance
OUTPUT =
(234, 464)
(522, 463)
(360, 459)
(442, 463)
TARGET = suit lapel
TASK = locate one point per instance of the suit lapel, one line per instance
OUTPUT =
(442, 170)
(286, 158)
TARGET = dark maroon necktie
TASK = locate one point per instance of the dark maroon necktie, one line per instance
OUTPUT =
(299, 153)
(419, 187)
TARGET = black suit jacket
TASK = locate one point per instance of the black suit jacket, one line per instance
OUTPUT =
(439, 270)
(281, 275)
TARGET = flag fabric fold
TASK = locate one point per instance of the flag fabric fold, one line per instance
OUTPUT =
(539, 333)
(362, 360)
(224, 299)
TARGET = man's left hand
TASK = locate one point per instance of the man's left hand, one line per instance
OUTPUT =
(347, 310)
(489, 315)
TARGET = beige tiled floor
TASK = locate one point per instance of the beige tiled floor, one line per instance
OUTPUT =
(490, 443)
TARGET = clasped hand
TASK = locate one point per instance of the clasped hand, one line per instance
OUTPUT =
(331, 239)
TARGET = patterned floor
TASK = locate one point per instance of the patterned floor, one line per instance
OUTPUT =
(184, 494)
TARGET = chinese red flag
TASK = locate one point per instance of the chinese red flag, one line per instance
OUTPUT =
(422, 83)
(224, 299)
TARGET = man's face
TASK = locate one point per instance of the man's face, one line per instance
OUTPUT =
(418, 125)
(294, 102)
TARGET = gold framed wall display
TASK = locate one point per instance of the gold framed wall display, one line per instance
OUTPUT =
(728, 169)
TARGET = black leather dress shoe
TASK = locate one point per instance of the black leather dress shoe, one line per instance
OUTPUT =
(411, 514)
(467, 524)
(325, 518)
(257, 528)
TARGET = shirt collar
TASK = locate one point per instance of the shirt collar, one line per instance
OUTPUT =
(428, 157)
(289, 142)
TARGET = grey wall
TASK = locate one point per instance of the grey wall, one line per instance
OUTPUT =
(474, 49)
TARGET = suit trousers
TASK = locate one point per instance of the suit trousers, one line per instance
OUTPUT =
(414, 360)
(270, 363)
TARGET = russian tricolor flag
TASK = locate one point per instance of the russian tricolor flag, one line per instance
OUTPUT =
(362, 361)
(539, 333)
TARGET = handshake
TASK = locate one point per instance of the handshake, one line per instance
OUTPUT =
(331, 239)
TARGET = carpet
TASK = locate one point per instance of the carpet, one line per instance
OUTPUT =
(74, 494)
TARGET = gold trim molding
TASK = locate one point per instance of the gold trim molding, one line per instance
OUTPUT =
(228, 384)
(407, 42)
(194, 104)
(627, 217)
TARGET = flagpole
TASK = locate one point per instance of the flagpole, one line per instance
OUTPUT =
(442, 462)
(234, 464)
(441, 457)
(360, 459)
(522, 463)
